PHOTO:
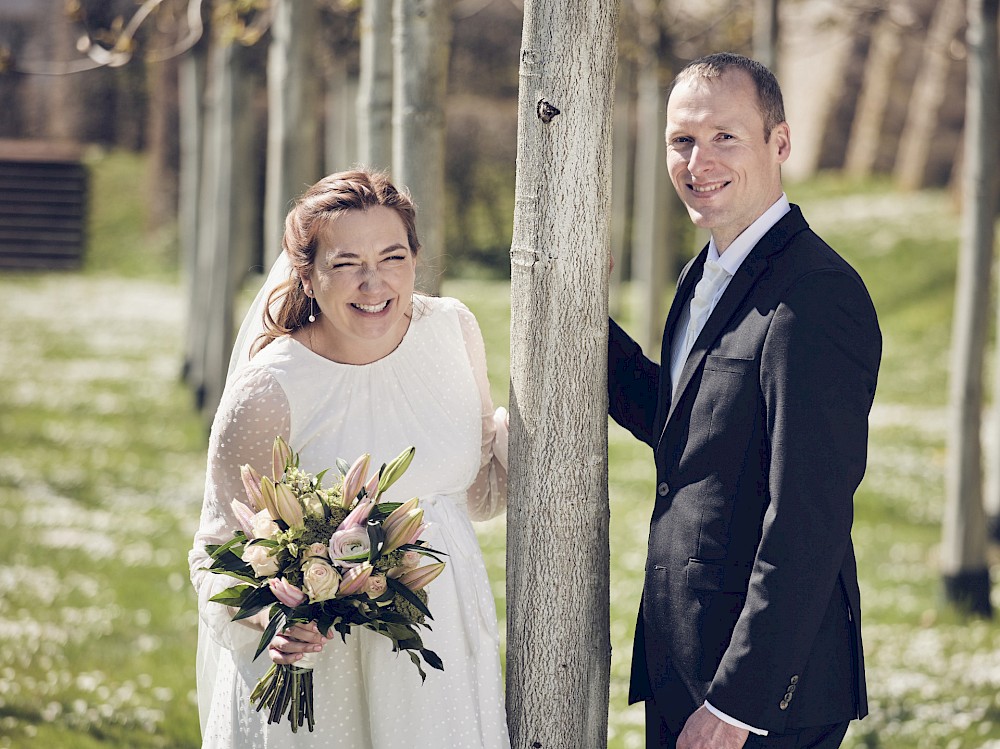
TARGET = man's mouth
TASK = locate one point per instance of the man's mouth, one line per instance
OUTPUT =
(703, 189)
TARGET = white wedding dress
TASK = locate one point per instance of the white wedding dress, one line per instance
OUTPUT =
(432, 393)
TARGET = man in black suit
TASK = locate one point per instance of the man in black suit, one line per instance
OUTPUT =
(749, 631)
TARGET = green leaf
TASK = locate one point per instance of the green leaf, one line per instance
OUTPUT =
(272, 628)
(416, 662)
(216, 550)
(409, 595)
(376, 538)
(247, 578)
(258, 599)
(233, 596)
(433, 659)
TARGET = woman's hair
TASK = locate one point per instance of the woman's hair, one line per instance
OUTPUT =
(354, 190)
(769, 99)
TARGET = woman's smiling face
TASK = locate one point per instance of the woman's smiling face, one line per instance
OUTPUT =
(362, 281)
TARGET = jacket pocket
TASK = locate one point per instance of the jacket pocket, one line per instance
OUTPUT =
(728, 364)
(716, 577)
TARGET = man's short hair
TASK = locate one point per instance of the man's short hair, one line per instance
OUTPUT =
(769, 100)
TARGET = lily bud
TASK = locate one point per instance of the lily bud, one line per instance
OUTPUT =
(355, 580)
(251, 484)
(355, 477)
(421, 576)
(399, 513)
(288, 506)
(395, 469)
(406, 530)
(281, 458)
(244, 516)
(269, 498)
(371, 488)
(358, 516)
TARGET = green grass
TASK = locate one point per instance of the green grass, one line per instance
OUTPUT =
(101, 467)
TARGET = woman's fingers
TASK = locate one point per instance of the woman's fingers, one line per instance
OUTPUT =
(291, 644)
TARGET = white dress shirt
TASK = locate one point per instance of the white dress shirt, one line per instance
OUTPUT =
(731, 259)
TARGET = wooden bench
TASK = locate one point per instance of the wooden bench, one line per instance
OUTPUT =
(43, 205)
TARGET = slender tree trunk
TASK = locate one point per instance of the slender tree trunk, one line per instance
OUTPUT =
(375, 85)
(226, 241)
(422, 38)
(161, 184)
(558, 652)
(191, 88)
(765, 33)
(963, 551)
(864, 148)
(341, 137)
(622, 178)
(920, 135)
(293, 143)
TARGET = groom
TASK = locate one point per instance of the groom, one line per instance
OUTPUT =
(749, 631)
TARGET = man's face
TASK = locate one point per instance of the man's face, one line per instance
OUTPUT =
(721, 166)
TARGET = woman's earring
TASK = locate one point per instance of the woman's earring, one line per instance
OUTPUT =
(312, 313)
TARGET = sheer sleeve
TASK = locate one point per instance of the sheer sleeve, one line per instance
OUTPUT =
(488, 493)
(253, 411)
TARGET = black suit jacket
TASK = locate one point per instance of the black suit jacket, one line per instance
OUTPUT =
(751, 593)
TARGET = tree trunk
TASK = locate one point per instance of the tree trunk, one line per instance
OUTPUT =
(622, 179)
(191, 107)
(920, 141)
(226, 242)
(420, 52)
(375, 85)
(963, 551)
(558, 654)
(163, 145)
(341, 136)
(652, 251)
(293, 143)
(765, 33)
(865, 146)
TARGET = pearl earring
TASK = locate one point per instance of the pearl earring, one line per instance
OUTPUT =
(312, 312)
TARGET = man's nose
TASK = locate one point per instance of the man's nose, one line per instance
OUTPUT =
(700, 159)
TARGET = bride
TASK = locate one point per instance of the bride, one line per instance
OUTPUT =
(340, 357)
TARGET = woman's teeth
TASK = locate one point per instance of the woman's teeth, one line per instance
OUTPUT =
(371, 307)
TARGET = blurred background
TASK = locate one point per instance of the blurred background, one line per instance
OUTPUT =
(149, 150)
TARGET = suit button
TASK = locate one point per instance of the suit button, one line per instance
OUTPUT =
(788, 697)
(663, 490)
(795, 679)
(791, 688)
(783, 705)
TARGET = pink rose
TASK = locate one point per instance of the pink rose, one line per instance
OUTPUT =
(320, 580)
(351, 542)
(376, 586)
(259, 558)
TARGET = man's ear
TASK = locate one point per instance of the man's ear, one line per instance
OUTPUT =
(782, 138)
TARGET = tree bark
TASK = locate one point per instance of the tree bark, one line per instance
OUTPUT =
(422, 37)
(622, 179)
(341, 136)
(964, 561)
(293, 142)
(375, 85)
(920, 142)
(227, 237)
(558, 654)
(765, 33)
(865, 145)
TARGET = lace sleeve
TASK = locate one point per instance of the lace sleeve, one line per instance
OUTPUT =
(488, 493)
(252, 413)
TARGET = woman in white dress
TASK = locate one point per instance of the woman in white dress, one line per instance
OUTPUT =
(340, 357)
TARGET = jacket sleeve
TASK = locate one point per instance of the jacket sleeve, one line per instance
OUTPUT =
(819, 365)
(633, 386)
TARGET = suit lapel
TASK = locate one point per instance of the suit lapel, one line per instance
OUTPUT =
(682, 297)
(753, 266)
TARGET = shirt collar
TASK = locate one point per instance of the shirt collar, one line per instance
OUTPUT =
(737, 252)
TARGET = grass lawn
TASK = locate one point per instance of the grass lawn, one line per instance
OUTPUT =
(101, 468)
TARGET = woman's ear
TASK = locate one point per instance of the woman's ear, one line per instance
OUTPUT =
(306, 285)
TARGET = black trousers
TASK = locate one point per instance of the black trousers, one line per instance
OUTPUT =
(659, 735)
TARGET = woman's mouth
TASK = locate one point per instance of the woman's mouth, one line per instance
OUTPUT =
(371, 309)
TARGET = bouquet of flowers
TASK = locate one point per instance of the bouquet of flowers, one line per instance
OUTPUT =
(335, 555)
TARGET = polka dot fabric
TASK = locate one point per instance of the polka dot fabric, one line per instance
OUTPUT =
(431, 392)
